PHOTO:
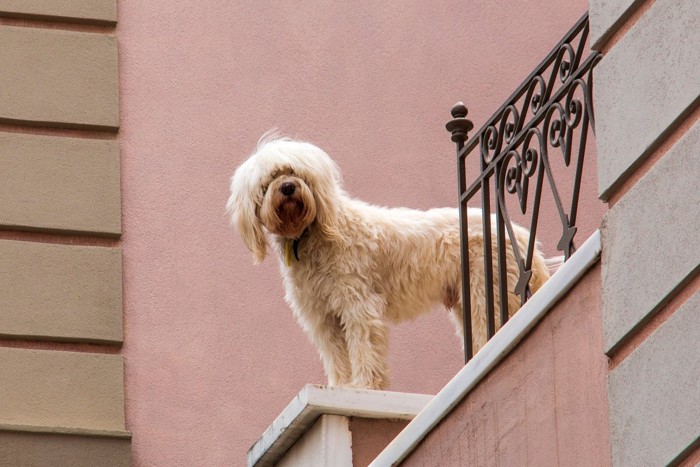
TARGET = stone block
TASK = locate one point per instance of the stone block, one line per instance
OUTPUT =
(61, 389)
(644, 86)
(31, 448)
(60, 292)
(605, 16)
(650, 240)
(653, 393)
(66, 184)
(58, 78)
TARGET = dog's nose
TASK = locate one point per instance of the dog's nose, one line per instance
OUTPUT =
(287, 188)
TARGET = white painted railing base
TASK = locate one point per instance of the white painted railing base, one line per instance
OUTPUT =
(314, 401)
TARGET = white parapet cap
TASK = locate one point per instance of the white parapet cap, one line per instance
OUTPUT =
(313, 401)
(492, 353)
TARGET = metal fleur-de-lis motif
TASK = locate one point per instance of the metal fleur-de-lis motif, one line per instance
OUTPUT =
(547, 119)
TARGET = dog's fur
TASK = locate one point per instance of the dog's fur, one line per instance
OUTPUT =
(359, 266)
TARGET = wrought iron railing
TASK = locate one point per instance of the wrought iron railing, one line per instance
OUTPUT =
(548, 115)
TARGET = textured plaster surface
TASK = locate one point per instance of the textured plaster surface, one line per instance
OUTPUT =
(370, 436)
(635, 109)
(654, 396)
(213, 353)
(545, 404)
(649, 240)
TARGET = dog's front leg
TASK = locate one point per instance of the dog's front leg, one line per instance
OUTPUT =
(366, 338)
(327, 336)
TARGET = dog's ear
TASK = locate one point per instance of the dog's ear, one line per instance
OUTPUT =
(250, 228)
(244, 215)
(327, 217)
(326, 195)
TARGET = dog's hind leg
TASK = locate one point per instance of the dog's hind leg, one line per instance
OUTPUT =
(478, 320)
(367, 339)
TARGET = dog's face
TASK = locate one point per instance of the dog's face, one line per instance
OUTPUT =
(284, 188)
(288, 206)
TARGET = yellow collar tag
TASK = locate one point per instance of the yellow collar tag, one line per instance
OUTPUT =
(288, 246)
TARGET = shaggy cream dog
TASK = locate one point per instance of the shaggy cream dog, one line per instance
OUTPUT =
(350, 268)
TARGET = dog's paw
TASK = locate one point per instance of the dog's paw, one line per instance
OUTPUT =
(362, 385)
(354, 386)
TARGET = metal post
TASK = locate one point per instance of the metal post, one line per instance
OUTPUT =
(459, 126)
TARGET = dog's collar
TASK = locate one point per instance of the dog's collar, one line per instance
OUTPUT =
(291, 246)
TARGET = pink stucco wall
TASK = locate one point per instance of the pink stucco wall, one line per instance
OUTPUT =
(544, 404)
(371, 436)
(212, 352)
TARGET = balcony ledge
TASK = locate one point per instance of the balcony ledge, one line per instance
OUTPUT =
(492, 353)
(313, 401)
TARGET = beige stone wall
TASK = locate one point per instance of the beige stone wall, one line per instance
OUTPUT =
(61, 324)
(647, 92)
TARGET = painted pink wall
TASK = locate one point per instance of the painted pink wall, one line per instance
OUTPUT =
(545, 404)
(212, 352)
(371, 436)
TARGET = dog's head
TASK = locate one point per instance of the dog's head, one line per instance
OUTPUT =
(284, 188)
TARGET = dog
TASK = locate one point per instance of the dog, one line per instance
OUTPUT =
(350, 268)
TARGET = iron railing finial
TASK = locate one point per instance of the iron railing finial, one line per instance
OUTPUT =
(459, 126)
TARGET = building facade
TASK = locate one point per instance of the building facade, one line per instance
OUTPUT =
(134, 328)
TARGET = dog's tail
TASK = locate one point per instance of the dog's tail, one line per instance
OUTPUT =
(553, 264)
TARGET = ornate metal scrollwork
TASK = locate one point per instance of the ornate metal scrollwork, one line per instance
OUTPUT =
(548, 116)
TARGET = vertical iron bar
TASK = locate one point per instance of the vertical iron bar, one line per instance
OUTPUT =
(459, 126)
(488, 260)
(464, 248)
(501, 245)
(532, 241)
(579, 167)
